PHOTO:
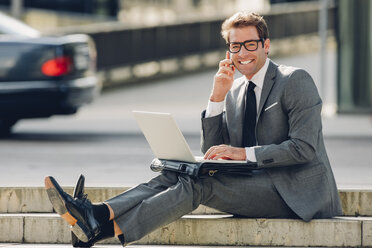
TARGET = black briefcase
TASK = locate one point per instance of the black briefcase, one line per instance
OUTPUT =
(202, 170)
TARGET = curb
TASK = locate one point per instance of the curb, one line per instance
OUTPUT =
(206, 230)
(34, 200)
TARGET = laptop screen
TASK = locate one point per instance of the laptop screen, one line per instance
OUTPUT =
(163, 135)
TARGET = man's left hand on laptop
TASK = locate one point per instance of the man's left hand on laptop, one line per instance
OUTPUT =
(225, 152)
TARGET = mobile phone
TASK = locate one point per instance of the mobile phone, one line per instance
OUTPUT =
(232, 65)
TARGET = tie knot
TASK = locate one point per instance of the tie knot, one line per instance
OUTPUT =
(251, 85)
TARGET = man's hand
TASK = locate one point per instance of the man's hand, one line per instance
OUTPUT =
(225, 152)
(223, 79)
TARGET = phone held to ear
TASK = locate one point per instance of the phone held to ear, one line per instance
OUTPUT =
(228, 56)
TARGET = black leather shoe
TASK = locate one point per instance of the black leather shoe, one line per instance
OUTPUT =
(77, 212)
(101, 236)
(79, 193)
(79, 188)
(75, 242)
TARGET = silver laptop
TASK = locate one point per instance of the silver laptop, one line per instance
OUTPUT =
(165, 138)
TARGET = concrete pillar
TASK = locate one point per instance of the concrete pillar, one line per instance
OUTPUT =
(16, 8)
(354, 56)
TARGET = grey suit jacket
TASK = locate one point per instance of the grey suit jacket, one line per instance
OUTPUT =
(289, 135)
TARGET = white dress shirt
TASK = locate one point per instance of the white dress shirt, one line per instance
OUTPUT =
(216, 108)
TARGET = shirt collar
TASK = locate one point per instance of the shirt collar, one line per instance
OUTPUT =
(259, 77)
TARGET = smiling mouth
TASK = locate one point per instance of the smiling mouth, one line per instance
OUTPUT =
(246, 62)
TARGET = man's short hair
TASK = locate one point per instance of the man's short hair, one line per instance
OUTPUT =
(245, 19)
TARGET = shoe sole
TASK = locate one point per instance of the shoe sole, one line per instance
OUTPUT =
(53, 190)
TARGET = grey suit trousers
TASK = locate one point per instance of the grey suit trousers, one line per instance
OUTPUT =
(169, 196)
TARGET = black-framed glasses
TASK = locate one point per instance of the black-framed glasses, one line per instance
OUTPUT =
(250, 45)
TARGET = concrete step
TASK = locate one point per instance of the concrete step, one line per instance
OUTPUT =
(217, 230)
(34, 200)
(17, 245)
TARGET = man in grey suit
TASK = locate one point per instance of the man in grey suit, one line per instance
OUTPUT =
(271, 116)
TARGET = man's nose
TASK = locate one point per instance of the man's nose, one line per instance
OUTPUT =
(243, 52)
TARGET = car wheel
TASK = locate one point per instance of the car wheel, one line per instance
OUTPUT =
(6, 127)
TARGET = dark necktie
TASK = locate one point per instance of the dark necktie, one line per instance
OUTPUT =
(249, 136)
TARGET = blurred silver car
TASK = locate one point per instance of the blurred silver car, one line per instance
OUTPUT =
(43, 76)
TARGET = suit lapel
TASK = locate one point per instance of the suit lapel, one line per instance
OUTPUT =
(268, 84)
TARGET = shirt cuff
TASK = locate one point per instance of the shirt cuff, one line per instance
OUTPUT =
(214, 109)
(251, 156)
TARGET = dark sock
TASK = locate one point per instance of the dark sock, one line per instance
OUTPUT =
(101, 212)
(121, 238)
(107, 229)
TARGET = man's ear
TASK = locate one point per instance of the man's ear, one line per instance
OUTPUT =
(267, 46)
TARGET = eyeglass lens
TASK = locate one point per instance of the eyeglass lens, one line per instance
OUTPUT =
(250, 45)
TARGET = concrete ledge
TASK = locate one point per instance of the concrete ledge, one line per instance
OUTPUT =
(11, 228)
(207, 230)
(367, 233)
(35, 200)
(261, 232)
(356, 202)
